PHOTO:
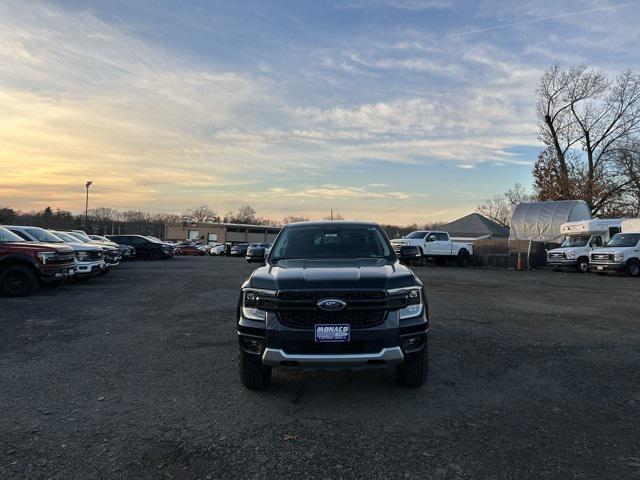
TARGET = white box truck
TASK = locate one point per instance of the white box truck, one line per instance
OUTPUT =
(580, 238)
(621, 253)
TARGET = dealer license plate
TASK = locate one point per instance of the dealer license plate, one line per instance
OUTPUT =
(333, 333)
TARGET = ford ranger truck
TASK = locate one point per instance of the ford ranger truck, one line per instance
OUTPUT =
(435, 246)
(25, 265)
(332, 295)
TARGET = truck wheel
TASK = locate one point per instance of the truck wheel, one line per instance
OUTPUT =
(17, 281)
(253, 374)
(583, 265)
(633, 268)
(463, 258)
(413, 372)
(156, 255)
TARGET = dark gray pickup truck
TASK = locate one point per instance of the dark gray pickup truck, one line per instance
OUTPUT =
(332, 295)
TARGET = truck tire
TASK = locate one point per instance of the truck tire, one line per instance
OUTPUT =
(583, 265)
(413, 372)
(462, 259)
(633, 268)
(17, 281)
(253, 374)
(156, 254)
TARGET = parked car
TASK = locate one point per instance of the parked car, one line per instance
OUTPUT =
(204, 248)
(581, 238)
(25, 265)
(621, 253)
(257, 252)
(90, 259)
(435, 245)
(217, 249)
(111, 254)
(145, 247)
(333, 295)
(126, 251)
(192, 250)
(239, 250)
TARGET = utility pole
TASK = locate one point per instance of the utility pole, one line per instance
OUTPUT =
(332, 214)
(86, 208)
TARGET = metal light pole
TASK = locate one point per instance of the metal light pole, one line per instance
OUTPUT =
(86, 208)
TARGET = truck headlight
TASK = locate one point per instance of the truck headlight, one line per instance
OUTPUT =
(251, 299)
(618, 257)
(570, 255)
(45, 257)
(414, 300)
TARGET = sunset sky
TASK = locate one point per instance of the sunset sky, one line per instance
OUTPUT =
(392, 110)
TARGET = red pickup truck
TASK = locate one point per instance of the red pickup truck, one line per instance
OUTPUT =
(25, 265)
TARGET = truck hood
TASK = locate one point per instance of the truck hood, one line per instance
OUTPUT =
(59, 247)
(320, 274)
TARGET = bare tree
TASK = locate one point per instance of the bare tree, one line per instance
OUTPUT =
(500, 208)
(201, 214)
(293, 219)
(582, 107)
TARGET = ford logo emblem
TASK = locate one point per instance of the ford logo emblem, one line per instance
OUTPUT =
(331, 304)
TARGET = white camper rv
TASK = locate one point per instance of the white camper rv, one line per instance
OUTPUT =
(580, 238)
(621, 253)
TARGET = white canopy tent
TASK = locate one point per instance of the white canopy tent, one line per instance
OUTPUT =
(542, 221)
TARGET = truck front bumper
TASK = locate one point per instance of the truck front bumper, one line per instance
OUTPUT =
(87, 269)
(385, 357)
(55, 274)
(385, 345)
(562, 262)
(607, 267)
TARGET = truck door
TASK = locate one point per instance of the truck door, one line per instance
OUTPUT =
(430, 244)
(442, 243)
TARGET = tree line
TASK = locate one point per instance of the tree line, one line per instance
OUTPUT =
(589, 126)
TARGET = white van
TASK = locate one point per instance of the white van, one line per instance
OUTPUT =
(621, 253)
(580, 238)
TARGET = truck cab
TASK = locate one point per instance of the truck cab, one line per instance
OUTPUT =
(621, 253)
(580, 239)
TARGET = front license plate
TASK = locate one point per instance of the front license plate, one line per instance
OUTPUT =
(600, 268)
(333, 333)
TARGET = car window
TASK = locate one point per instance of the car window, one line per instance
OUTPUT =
(442, 237)
(431, 237)
(331, 241)
(5, 235)
(42, 235)
(597, 241)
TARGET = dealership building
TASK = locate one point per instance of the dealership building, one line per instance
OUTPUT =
(207, 233)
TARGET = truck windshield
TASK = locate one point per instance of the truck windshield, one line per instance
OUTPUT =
(624, 240)
(416, 235)
(42, 235)
(7, 236)
(68, 238)
(575, 241)
(331, 241)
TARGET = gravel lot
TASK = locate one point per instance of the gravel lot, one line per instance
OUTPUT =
(533, 375)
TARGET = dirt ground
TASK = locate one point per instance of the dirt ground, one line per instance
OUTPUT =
(534, 375)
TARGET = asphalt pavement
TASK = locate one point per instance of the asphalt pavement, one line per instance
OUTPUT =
(534, 375)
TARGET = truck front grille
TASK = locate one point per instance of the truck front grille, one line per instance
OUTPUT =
(555, 255)
(606, 257)
(309, 318)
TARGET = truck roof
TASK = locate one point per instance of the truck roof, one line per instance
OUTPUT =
(595, 225)
(631, 225)
(322, 223)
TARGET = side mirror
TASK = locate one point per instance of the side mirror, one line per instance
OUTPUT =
(430, 239)
(408, 253)
(257, 254)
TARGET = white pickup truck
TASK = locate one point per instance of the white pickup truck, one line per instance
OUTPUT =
(436, 246)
